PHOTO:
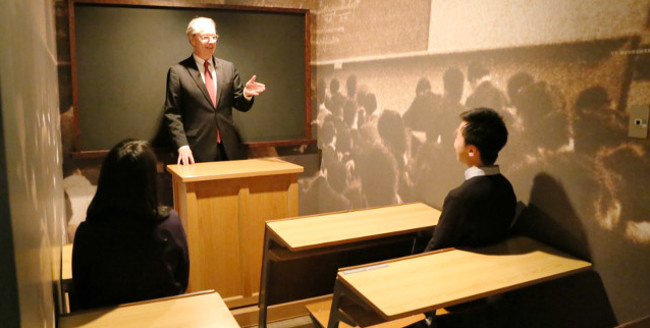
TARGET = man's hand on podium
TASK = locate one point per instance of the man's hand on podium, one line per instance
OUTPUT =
(185, 156)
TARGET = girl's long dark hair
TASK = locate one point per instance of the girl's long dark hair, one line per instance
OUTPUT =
(127, 187)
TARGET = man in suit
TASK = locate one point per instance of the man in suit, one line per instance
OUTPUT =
(198, 106)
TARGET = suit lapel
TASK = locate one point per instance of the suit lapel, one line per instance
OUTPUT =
(196, 76)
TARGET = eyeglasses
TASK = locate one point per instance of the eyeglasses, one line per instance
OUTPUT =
(206, 38)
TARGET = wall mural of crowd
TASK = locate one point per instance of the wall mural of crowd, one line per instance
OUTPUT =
(373, 155)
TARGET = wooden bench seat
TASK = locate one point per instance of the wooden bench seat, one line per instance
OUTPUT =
(638, 323)
(320, 312)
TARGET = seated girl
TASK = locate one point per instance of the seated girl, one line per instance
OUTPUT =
(129, 248)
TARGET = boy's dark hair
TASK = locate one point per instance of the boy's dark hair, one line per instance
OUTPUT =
(486, 130)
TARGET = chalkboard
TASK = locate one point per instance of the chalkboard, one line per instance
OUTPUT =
(122, 54)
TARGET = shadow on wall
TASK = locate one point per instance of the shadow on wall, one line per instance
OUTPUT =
(551, 219)
(575, 301)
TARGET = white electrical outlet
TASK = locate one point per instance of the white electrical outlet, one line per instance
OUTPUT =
(638, 127)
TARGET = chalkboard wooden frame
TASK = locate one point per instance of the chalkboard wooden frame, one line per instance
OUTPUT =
(185, 4)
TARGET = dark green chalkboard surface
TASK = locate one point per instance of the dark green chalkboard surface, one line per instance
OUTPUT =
(122, 54)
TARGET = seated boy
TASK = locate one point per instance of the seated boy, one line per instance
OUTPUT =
(479, 211)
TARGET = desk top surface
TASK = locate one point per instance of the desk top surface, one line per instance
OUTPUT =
(308, 232)
(203, 310)
(233, 169)
(434, 280)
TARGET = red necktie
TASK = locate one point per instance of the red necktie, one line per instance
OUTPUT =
(209, 84)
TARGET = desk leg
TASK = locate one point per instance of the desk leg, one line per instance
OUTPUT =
(67, 289)
(335, 314)
(266, 271)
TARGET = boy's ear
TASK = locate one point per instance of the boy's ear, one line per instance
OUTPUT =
(472, 150)
(473, 156)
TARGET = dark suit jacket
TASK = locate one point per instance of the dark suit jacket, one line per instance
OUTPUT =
(479, 212)
(191, 117)
(118, 260)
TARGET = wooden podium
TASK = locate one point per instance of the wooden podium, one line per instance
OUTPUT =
(223, 206)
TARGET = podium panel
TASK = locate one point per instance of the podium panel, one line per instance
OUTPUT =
(223, 206)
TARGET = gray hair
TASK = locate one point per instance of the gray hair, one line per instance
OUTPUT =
(191, 27)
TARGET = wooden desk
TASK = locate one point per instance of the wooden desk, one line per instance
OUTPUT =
(223, 207)
(308, 236)
(420, 283)
(203, 309)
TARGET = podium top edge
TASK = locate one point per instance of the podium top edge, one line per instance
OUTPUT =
(233, 169)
